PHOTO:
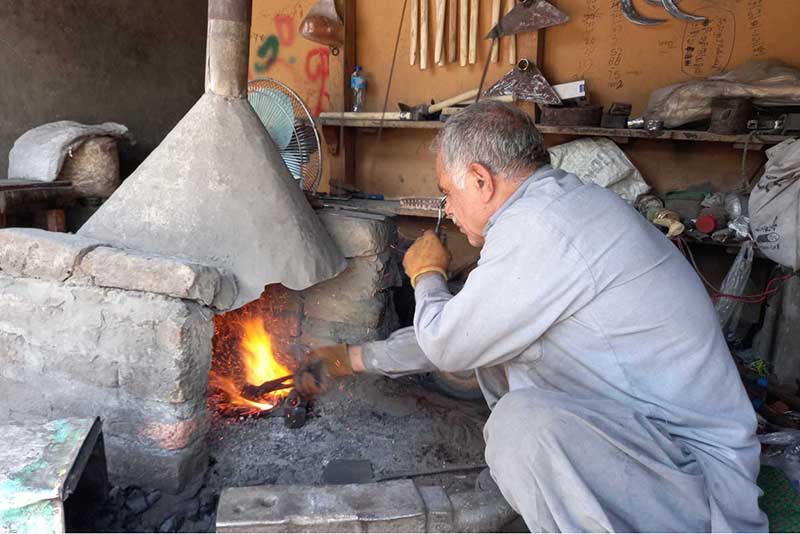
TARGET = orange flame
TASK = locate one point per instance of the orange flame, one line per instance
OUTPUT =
(259, 365)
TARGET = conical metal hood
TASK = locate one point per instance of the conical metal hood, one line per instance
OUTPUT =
(216, 189)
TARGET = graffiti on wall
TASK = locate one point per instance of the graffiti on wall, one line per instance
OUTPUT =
(281, 51)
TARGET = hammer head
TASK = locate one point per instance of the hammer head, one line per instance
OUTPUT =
(418, 113)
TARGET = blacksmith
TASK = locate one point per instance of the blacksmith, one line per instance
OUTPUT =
(616, 405)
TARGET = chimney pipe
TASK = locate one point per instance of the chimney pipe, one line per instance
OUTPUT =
(228, 47)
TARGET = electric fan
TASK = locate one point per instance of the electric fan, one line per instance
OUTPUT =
(291, 126)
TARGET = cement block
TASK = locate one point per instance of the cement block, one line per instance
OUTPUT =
(174, 277)
(34, 253)
(393, 506)
(356, 235)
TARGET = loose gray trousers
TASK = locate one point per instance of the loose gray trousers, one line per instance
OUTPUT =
(616, 404)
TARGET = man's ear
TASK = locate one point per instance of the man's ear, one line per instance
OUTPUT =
(482, 179)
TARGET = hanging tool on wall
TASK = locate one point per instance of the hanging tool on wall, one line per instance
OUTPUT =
(528, 15)
(440, 20)
(414, 36)
(525, 82)
(512, 39)
(473, 30)
(423, 34)
(495, 20)
(669, 5)
(463, 32)
(452, 30)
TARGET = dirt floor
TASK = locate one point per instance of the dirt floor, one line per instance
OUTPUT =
(401, 428)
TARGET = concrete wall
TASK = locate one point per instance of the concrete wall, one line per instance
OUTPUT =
(138, 62)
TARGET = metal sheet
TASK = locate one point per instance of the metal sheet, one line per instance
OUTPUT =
(526, 82)
(38, 471)
(217, 191)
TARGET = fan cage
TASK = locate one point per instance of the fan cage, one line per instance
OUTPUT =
(303, 161)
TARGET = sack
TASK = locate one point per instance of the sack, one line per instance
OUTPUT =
(600, 161)
(735, 282)
(775, 206)
(93, 168)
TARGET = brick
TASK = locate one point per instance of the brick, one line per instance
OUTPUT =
(174, 277)
(33, 253)
(318, 332)
(356, 234)
(393, 506)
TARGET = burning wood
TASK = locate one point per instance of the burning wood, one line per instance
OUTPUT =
(248, 376)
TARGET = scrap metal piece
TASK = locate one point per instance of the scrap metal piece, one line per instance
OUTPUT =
(632, 15)
(41, 466)
(528, 15)
(673, 10)
(526, 82)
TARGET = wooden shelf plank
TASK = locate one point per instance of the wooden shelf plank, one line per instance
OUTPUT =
(675, 135)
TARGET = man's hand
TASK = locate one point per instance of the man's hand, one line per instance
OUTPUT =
(320, 367)
(426, 255)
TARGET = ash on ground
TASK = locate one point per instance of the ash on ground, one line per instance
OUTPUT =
(402, 429)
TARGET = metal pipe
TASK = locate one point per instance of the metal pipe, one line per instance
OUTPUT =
(228, 47)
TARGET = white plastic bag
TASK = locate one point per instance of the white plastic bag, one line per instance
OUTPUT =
(774, 206)
(600, 161)
(729, 310)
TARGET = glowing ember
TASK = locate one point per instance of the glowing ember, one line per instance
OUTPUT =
(256, 364)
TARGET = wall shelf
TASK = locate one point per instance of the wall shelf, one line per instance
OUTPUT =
(754, 142)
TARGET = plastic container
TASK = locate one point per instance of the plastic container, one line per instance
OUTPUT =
(358, 84)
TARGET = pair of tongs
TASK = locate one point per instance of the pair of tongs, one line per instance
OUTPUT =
(255, 393)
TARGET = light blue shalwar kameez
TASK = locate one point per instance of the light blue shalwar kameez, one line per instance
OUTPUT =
(616, 405)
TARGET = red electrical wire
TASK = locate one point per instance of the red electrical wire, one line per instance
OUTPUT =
(717, 294)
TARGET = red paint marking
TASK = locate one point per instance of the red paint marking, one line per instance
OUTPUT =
(318, 70)
(286, 29)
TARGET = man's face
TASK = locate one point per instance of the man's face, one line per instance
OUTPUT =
(466, 207)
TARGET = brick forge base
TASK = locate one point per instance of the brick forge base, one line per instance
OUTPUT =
(90, 330)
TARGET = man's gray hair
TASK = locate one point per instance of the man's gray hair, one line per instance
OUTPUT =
(495, 134)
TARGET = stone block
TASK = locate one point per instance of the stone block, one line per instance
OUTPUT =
(363, 278)
(358, 234)
(169, 471)
(33, 253)
(393, 506)
(342, 309)
(318, 332)
(154, 347)
(439, 509)
(174, 277)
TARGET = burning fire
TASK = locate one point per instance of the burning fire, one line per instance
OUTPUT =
(257, 364)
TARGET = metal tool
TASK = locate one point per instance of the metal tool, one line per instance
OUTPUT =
(673, 10)
(512, 39)
(588, 115)
(440, 215)
(526, 16)
(617, 116)
(256, 393)
(430, 111)
(525, 82)
(632, 15)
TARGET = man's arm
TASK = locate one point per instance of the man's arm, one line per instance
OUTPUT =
(398, 355)
(528, 278)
